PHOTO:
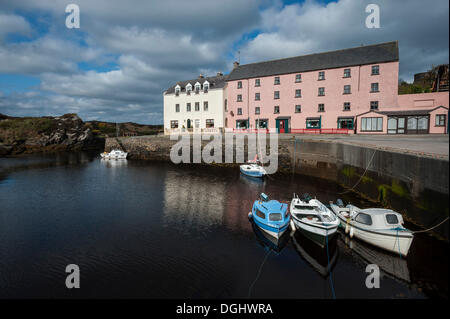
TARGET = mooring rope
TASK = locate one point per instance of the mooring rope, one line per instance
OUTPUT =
(431, 228)
(259, 273)
(368, 165)
(329, 267)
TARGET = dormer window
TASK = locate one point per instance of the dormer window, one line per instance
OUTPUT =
(197, 88)
(205, 87)
(177, 90)
(189, 89)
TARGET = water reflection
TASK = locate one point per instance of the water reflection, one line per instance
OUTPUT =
(270, 242)
(315, 254)
(391, 265)
(114, 163)
(192, 204)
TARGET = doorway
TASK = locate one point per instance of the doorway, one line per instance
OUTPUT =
(282, 126)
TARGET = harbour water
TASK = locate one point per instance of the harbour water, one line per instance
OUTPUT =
(140, 229)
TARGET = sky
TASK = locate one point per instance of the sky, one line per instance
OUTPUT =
(116, 66)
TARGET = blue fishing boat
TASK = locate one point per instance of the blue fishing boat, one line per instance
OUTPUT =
(270, 215)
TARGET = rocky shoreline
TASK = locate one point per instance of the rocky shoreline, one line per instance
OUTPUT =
(46, 134)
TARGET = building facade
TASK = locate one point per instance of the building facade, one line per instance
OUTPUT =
(195, 106)
(337, 91)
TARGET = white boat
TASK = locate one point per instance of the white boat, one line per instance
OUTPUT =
(310, 215)
(380, 227)
(253, 168)
(114, 154)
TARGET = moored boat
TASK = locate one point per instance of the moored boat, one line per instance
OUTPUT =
(311, 216)
(253, 168)
(114, 154)
(380, 227)
(270, 216)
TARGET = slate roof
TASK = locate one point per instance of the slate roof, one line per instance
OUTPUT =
(369, 54)
(215, 82)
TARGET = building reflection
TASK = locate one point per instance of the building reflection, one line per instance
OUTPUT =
(191, 202)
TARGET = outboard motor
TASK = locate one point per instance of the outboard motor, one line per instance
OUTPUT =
(340, 203)
(306, 198)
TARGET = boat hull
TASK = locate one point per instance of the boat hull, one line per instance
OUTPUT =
(272, 231)
(252, 173)
(321, 230)
(397, 242)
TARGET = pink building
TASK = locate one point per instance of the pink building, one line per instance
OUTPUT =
(332, 91)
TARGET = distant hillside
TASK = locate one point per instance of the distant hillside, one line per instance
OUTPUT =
(107, 129)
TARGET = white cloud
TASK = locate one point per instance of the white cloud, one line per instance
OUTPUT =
(13, 24)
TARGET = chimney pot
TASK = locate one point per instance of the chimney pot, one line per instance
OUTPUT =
(235, 64)
(200, 76)
(219, 74)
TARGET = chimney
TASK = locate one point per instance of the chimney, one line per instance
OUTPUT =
(200, 76)
(219, 74)
(235, 64)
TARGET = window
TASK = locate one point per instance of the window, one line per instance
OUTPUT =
(298, 93)
(260, 214)
(275, 217)
(177, 107)
(205, 87)
(375, 69)
(364, 219)
(239, 98)
(197, 88)
(298, 109)
(298, 78)
(321, 107)
(261, 123)
(374, 87)
(239, 111)
(177, 90)
(440, 119)
(345, 123)
(374, 105)
(189, 89)
(257, 110)
(391, 219)
(321, 91)
(257, 82)
(276, 80)
(257, 97)
(226, 105)
(347, 73)
(174, 124)
(372, 124)
(239, 85)
(276, 95)
(346, 106)
(347, 89)
(276, 109)
(205, 106)
(313, 123)
(209, 123)
(197, 106)
(188, 107)
(321, 75)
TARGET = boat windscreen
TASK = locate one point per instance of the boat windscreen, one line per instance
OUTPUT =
(275, 217)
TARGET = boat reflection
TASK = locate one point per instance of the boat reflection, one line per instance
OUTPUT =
(112, 163)
(314, 253)
(267, 241)
(391, 265)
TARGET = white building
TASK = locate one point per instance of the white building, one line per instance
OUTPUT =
(196, 105)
